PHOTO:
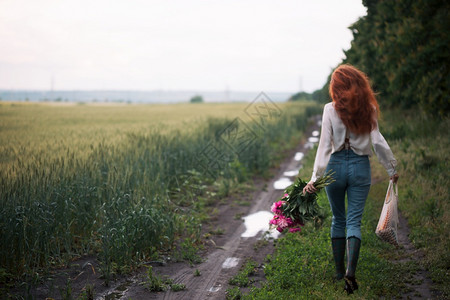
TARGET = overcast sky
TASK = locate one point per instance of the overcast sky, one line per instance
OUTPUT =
(245, 45)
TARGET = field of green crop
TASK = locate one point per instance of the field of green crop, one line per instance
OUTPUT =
(31, 129)
(123, 182)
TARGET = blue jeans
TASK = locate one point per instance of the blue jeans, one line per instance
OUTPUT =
(353, 177)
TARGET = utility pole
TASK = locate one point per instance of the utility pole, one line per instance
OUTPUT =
(52, 83)
(227, 93)
(300, 83)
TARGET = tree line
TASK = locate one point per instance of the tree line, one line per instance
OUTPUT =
(403, 46)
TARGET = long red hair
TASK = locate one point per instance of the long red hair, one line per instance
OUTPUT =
(354, 99)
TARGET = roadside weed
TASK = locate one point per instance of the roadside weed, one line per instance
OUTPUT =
(241, 279)
(233, 293)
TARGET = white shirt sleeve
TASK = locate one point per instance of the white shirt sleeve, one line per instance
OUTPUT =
(325, 146)
(383, 151)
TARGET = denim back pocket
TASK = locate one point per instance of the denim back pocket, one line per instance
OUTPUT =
(361, 172)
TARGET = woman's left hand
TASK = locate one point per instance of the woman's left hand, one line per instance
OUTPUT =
(394, 178)
(309, 187)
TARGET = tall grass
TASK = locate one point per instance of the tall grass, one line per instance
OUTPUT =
(421, 145)
(123, 198)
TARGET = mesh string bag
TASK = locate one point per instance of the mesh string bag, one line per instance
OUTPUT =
(388, 223)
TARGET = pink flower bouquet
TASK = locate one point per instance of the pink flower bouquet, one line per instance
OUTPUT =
(294, 209)
(280, 221)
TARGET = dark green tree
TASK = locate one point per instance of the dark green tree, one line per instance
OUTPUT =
(197, 99)
(403, 46)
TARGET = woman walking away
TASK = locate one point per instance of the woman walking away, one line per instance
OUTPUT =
(349, 126)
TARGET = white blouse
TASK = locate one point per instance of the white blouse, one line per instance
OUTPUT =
(332, 139)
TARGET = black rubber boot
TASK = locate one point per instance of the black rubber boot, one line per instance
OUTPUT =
(338, 246)
(353, 247)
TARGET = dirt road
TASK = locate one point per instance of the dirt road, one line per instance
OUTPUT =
(241, 239)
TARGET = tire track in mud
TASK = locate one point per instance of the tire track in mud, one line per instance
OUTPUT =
(421, 285)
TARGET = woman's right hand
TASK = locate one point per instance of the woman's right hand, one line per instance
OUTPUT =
(309, 187)
(394, 178)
